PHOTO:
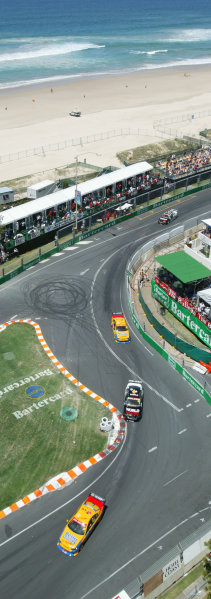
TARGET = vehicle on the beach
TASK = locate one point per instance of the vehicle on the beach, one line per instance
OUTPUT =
(133, 402)
(120, 328)
(167, 217)
(81, 525)
(75, 113)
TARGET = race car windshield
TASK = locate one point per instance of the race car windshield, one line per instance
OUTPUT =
(134, 391)
(122, 328)
(77, 527)
(134, 401)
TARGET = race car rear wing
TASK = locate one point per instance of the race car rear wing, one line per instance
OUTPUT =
(96, 500)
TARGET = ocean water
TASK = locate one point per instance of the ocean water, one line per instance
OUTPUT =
(44, 42)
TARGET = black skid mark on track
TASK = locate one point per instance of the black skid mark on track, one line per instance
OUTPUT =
(62, 297)
(65, 299)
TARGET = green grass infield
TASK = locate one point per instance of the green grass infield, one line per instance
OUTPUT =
(38, 440)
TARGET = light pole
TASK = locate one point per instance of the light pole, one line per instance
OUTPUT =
(76, 184)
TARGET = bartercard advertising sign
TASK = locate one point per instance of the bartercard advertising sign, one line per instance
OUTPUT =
(182, 314)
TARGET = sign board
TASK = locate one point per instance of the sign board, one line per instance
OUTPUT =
(122, 595)
(182, 314)
(172, 567)
(78, 197)
(130, 274)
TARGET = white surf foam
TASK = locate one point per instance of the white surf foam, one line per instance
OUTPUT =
(149, 52)
(189, 35)
(48, 50)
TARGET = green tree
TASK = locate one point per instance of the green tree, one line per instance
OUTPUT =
(207, 569)
(65, 184)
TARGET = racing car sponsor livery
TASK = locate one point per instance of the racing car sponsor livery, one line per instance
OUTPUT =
(167, 217)
(120, 328)
(133, 402)
(80, 526)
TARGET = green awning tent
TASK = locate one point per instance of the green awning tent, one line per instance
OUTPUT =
(184, 267)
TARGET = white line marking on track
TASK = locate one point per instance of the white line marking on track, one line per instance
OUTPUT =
(57, 254)
(146, 348)
(175, 478)
(41, 262)
(152, 449)
(73, 247)
(25, 274)
(84, 271)
(197, 400)
(134, 333)
(112, 351)
(69, 500)
(188, 405)
(183, 431)
(130, 561)
(208, 415)
(84, 241)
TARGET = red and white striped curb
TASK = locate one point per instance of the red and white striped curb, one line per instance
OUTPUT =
(66, 477)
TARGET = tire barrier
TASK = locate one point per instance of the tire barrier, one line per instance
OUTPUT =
(106, 425)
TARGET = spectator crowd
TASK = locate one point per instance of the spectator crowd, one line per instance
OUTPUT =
(187, 164)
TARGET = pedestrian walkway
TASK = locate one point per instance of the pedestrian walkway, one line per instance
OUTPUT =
(147, 269)
(196, 589)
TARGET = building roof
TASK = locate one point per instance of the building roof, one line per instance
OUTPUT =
(207, 221)
(205, 294)
(184, 267)
(41, 184)
(54, 199)
(5, 189)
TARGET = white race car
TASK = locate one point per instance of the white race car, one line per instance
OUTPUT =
(167, 217)
(133, 402)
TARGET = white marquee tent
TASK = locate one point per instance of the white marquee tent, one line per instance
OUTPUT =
(205, 295)
(55, 199)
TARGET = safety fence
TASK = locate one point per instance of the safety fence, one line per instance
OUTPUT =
(184, 373)
(130, 270)
(181, 118)
(160, 129)
(183, 557)
(74, 142)
(170, 568)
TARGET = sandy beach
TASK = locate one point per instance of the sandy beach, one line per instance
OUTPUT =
(125, 109)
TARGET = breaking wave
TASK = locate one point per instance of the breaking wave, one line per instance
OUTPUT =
(47, 50)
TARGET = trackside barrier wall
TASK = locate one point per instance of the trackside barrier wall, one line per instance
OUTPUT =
(170, 360)
(89, 233)
(131, 269)
(189, 552)
(171, 567)
(186, 348)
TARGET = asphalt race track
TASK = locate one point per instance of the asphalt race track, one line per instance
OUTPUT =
(157, 484)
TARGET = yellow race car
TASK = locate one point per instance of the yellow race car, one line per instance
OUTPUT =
(120, 328)
(81, 525)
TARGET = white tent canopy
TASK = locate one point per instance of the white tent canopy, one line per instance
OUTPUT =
(125, 206)
(207, 222)
(55, 199)
(204, 294)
